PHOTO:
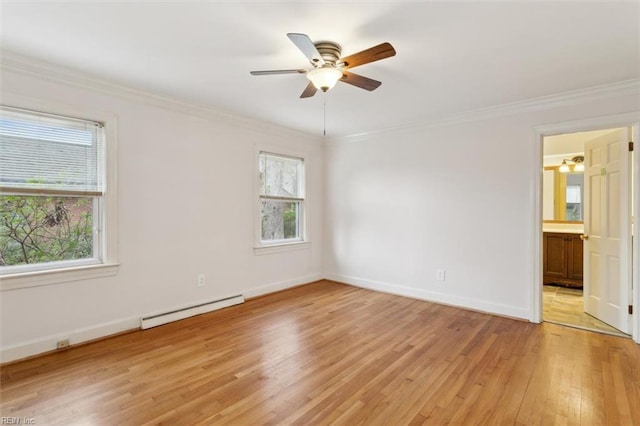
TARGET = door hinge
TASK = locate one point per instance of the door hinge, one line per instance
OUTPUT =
(631, 146)
(630, 309)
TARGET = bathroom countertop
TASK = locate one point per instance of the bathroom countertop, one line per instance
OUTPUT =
(568, 228)
(564, 230)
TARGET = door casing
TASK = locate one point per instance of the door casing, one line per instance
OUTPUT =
(597, 123)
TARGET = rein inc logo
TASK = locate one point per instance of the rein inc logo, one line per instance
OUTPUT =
(17, 421)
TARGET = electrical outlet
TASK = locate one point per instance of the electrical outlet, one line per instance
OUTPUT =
(201, 281)
(62, 344)
(440, 274)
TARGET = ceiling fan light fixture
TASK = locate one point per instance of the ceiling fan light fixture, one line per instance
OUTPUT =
(324, 78)
(564, 167)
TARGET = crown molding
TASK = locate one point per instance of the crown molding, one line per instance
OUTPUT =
(622, 88)
(14, 62)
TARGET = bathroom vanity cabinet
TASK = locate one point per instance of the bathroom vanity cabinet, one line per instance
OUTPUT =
(562, 259)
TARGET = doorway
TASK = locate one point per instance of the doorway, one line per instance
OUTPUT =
(594, 123)
(564, 207)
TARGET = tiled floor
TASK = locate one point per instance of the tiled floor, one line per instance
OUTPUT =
(564, 306)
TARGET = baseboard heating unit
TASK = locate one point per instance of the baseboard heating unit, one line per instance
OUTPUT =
(189, 311)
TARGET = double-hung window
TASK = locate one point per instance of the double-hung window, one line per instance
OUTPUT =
(52, 191)
(281, 197)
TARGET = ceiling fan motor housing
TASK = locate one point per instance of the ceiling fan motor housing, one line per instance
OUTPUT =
(329, 51)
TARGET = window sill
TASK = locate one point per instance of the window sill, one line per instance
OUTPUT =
(56, 276)
(281, 248)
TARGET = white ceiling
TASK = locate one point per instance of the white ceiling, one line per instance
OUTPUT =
(451, 57)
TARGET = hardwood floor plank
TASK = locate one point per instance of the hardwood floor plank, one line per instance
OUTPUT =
(327, 353)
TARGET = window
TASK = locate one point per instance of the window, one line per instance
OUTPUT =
(573, 196)
(281, 196)
(574, 202)
(52, 192)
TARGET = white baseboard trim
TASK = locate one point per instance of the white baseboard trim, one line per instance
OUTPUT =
(282, 285)
(48, 344)
(432, 296)
(39, 346)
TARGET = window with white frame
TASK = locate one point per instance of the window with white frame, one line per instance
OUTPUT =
(281, 197)
(52, 191)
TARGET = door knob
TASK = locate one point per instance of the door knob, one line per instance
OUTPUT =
(584, 237)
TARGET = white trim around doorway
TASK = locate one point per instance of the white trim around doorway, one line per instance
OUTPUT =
(598, 123)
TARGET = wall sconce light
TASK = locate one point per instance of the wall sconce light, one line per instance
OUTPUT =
(577, 162)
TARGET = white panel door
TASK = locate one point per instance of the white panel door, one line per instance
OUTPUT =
(607, 227)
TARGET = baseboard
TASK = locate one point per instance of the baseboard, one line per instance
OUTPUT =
(35, 347)
(432, 296)
(281, 285)
(75, 337)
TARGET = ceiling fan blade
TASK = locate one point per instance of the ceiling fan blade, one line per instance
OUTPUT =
(309, 91)
(359, 81)
(375, 53)
(304, 43)
(272, 72)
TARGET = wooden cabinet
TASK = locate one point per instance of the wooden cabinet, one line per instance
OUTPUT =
(562, 259)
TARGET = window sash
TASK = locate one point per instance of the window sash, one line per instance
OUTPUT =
(290, 189)
(49, 154)
(281, 182)
(96, 256)
(284, 230)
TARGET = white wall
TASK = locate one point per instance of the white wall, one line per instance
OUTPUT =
(385, 211)
(186, 206)
(458, 196)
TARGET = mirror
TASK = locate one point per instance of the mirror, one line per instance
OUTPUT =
(563, 196)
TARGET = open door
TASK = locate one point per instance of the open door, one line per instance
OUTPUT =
(607, 229)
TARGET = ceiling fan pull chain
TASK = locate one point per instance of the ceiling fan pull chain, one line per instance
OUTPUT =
(324, 114)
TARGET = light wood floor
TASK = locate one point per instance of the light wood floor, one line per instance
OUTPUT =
(563, 305)
(328, 353)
